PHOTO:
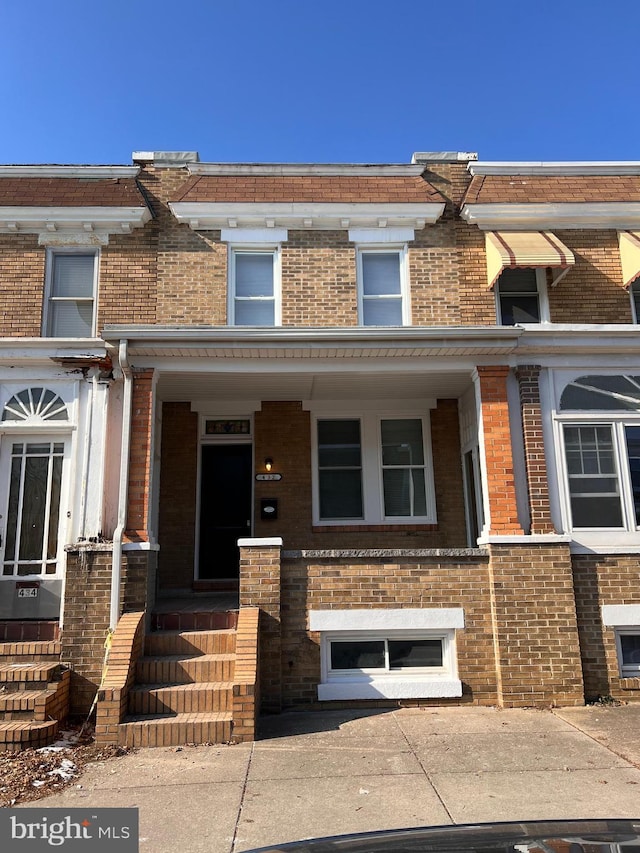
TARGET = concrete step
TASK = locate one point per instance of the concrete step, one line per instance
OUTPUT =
(175, 729)
(190, 642)
(180, 669)
(23, 734)
(181, 698)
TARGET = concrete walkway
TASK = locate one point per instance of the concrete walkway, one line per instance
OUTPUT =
(315, 774)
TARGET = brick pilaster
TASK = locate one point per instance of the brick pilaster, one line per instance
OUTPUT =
(537, 481)
(500, 483)
(140, 456)
(260, 587)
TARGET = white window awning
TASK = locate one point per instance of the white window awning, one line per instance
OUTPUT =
(511, 249)
(629, 242)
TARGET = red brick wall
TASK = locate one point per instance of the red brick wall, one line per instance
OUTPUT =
(497, 448)
(140, 456)
(177, 514)
(535, 461)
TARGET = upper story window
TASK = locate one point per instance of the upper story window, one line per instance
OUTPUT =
(254, 287)
(602, 451)
(521, 297)
(71, 287)
(634, 291)
(382, 287)
(373, 469)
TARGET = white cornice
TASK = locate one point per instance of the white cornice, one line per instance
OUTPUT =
(29, 351)
(569, 169)
(84, 225)
(320, 169)
(551, 339)
(44, 171)
(212, 216)
(542, 217)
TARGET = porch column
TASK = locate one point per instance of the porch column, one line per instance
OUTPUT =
(528, 376)
(495, 446)
(139, 495)
(260, 587)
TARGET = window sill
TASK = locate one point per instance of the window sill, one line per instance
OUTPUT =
(391, 688)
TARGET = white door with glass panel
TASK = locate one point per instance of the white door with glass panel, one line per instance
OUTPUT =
(32, 498)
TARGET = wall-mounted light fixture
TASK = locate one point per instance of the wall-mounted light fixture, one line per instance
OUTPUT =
(268, 463)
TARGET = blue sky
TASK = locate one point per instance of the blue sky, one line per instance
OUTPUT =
(325, 81)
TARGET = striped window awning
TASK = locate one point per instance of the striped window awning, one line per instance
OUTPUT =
(629, 242)
(511, 249)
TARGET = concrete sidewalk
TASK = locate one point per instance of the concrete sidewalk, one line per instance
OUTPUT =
(315, 774)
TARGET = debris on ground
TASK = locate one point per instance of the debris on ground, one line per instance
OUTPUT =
(35, 773)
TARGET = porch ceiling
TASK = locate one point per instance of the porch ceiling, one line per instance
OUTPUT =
(343, 385)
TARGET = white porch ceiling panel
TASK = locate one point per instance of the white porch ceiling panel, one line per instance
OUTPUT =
(175, 387)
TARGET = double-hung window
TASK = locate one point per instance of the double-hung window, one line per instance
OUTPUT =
(383, 291)
(254, 287)
(521, 297)
(602, 452)
(372, 469)
(72, 286)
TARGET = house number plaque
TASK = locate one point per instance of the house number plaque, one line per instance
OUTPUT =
(268, 477)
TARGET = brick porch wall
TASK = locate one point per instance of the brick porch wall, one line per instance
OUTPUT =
(604, 579)
(535, 625)
(86, 612)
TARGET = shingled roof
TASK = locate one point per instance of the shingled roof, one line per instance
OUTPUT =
(536, 189)
(70, 192)
(356, 189)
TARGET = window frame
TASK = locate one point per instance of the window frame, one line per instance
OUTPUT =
(542, 292)
(626, 670)
(51, 255)
(373, 510)
(634, 295)
(275, 251)
(402, 251)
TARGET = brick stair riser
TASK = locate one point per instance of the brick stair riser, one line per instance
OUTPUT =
(191, 643)
(15, 736)
(177, 700)
(28, 673)
(22, 686)
(173, 734)
(159, 671)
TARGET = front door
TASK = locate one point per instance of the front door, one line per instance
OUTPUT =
(225, 508)
(31, 483)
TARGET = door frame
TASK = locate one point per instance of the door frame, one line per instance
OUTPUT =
(7, 439)
(205, 439)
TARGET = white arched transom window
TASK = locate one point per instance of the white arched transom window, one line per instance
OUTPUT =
(35, 404)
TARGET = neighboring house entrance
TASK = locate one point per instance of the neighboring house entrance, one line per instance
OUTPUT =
(225, 508)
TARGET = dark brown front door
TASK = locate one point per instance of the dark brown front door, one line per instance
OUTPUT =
(225, 508)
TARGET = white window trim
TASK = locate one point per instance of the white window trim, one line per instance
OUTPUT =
(371, 460)
(403, 260)
(543, 298)
(626, 670)
(259, 249)
(52, 253)
(391, 624)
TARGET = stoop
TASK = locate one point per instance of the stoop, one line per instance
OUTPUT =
(34, 694)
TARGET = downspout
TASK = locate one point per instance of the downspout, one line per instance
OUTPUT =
(116, 566)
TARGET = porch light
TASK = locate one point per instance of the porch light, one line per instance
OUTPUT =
(268, 463)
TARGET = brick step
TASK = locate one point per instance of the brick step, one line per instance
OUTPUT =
(176, 729)
(22, 704)
(205, 620)
(35, 651)
(22, 734)
(190, 642)
(199, 698)
(17, 631)
(180, 669)
(28, 674)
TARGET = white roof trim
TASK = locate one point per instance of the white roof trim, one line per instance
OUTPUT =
(623, 216)
(557, 168)
(44, 171)
(387, 619)
(37, 350)
(321, 169)
(46, 221)
(213, 216)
